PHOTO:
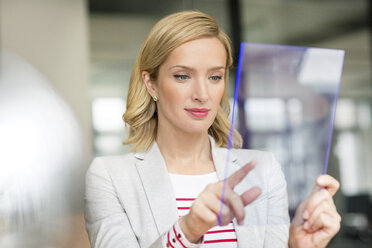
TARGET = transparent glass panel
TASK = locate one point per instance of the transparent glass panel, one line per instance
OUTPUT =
(285, 100)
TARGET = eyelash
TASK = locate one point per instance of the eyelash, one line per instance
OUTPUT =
(183, 77)
(215, 78)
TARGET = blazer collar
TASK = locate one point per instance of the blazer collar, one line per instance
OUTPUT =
(220, 158)
(246, 235)
(159, 190)
(158, 187)
(224, 161)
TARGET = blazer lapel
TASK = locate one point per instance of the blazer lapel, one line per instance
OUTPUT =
(158, 187)
(160, 195)
(220, 158)
(246, 235)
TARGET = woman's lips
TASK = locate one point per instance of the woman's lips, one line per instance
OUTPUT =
(198, 112)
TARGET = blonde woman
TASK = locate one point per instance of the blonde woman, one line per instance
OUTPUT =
(167, 191)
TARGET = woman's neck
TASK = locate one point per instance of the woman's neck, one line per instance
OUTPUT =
(185, 153)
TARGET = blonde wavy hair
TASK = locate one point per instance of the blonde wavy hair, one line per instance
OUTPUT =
(169, 33)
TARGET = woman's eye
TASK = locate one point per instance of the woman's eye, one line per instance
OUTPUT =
(215, 78)
(181, 77)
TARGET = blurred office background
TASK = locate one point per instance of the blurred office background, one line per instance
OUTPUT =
(76, 56)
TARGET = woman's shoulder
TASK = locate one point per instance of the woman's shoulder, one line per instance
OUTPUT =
(267, 172)
(252, 152)
(112, 164)
(245, 155)
(116, 159)
(266, 161)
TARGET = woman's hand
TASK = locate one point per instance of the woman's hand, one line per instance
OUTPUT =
(204, 211)
(316, 220)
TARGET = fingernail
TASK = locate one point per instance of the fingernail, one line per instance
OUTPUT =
(321, 180)
(305, 215)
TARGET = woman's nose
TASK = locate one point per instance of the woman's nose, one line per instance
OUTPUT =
(200, 93)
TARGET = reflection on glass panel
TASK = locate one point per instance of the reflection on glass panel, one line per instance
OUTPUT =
(259, 110)
(288, 96)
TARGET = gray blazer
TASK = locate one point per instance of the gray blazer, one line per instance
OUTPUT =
(129, 201)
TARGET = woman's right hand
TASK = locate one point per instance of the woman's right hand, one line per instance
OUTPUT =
(205, 210)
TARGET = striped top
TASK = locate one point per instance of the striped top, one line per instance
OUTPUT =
(187, 188)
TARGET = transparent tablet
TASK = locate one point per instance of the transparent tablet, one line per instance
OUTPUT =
(285, 102)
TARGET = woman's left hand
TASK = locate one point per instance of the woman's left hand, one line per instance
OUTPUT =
(316, 220)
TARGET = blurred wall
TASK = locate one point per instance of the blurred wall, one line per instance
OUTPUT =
(52, 36)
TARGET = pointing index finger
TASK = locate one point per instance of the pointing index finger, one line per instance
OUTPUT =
(238, 176)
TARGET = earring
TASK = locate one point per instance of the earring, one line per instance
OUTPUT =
(155, 98)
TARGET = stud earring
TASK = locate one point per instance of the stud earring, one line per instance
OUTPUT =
(155, 98)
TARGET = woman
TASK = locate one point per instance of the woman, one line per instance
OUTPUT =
(167, 192)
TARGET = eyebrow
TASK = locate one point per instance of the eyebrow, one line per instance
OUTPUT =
(192, 69)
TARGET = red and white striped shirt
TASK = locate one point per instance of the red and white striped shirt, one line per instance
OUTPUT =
(187, 188)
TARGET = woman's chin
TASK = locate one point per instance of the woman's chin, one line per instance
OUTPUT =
(197, 129)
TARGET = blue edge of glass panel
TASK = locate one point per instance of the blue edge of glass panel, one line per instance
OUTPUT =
(236, 91)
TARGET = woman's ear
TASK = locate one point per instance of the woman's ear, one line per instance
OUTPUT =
(150, 85)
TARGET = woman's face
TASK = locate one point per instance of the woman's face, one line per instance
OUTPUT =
(190, 86)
